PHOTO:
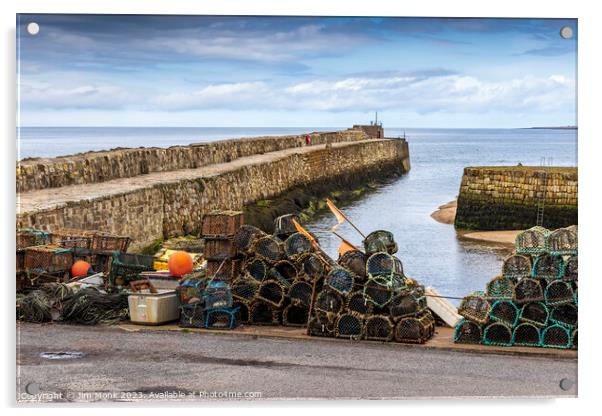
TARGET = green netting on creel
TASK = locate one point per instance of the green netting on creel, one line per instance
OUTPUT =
(556, 336)
(565, 315)
(547, 266)
(498, 334)
(500, 288)
(378, 291)
(408, 303)
(380, 240)
(468, 332)
(504, 311)
(517, 266)
(532, 241)
(527, 335)
(535, 313)
(527, 290)
(562, 242)
(383, 264)
(571, 269)
(558, 292)
(475, 307)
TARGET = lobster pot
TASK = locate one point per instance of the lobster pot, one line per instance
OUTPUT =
(532, 241)
(379, 328)
(48, 259)
(296, 245)
(499, 334)
(528, 290)
(558, 292)
(526, 335)
(295, 315)
(562, 242)
(535, 313)
(504, 311)
(104, 242)
(571, 269)
(287, 271)
(218, 248)
(340, 280)
(517, 266)
(284, 226)
(556, 336)
(245, 237)
(222, 223)
(500, 288)
(223, 270)
(383, 264)
(547, 266)
(20, 261)
(217, 295)
(245, 290)
(468, 332)
(29, 237)
(272, 292)
(256, 269)
(565, 315)
(243, 310)
(380, 241)
(312, 266)
(263, 313)
(328, 302)
(349, 327)
(475, 308)
(300, 293)
(222, 318)
(355, 261)
(73, 238)
(190, 290)
(321, 325)
(192, 316)
(574, 339)
(378, 291)
(409, 303)
(415, 330)
(269, 249)
(358, 304)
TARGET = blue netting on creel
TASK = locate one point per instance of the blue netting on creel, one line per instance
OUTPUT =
(468, 332)
(504, 311)
(562, 242)
(498, 334)
(532, 241)
(222, 318)
(217, 295)
(535, 313)
(558, 292)
(475, 307)
(565, 315)
(571, 269)
(340, 280)
(517, 266)
(556, 336)
(527, 335)
(500, 288)
(547, 266)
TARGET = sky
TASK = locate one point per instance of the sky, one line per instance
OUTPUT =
(243, 71)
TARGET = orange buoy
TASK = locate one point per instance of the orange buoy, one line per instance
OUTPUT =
(179, 263)
(80, 268)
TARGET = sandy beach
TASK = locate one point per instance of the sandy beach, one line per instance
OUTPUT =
(446, 213)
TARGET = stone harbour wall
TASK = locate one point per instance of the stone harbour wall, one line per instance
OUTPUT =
(506, 198)
(177, 208)
(94, 167)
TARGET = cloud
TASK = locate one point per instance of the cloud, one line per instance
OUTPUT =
(86, 96)
(550, 51)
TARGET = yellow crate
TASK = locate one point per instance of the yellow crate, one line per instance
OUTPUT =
(162, 256)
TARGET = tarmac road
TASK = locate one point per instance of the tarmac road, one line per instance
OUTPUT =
(136, 366)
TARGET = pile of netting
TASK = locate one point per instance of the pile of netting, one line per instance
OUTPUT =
(534, 301)
(367, 296)
(280, 273)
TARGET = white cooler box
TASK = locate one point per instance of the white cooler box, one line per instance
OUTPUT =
(154, 308)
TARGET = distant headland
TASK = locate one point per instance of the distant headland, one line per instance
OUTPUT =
(553, 128)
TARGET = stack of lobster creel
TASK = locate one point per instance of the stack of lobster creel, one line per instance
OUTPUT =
(534, 301)
(367, 296)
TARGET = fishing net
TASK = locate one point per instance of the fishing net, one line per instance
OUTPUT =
(574, 339)
(535, 313)
(321, 325)
(218, 248)
(349, 326)
(272, 292)
(356, 262)
(383, 264)
(296, 245)
(300, 293)
(505, 312)
(28, 237)
(328, 301)
(89, 307)
(35, 307)
(190, 290)
(498, 334)
(528, 290)
(517, 266)
(500, 288)
(312, 266)
(558, 292)
(283, 225)
(222, 318)
(217, 295)
(571, 269)
(468, 332)
(526, 335)
(380, 240)
(378, 291)
(263, 313)
(532, 241)
(246, 236)
(287, 271)
(547, 266)
(358, 304)
(475, 307)
(256, 269)
(416, 330)
(562, 242)
(556, 336)
(379, 328)
(244, 290)
(295, 315)
(192, 316)
(269, 248)
(340, 280)
(408, 303)
(565, 315)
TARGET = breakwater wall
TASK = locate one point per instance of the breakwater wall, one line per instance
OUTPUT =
(506, 198)
(95, 167)
(156, 205)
